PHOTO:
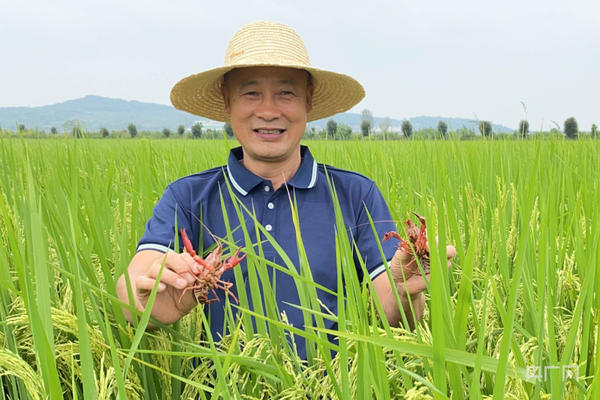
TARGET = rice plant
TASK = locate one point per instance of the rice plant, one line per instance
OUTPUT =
(515, 316)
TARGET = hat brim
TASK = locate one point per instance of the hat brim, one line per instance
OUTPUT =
(200, 94)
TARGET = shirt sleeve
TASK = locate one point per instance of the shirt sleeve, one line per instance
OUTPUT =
(366, 241)
(160, 231)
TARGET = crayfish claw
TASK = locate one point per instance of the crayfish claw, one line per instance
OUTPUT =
(233, 260)
(421, 219)
(187, 243)
(392, 234)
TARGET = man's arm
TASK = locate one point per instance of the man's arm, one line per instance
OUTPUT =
(176, 276)
(413, 292)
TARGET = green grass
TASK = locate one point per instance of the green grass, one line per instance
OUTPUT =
(522, 291)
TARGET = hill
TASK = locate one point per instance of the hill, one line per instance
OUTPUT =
(95, 112)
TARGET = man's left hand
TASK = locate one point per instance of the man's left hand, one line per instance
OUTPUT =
(410, 285)
(408, 279)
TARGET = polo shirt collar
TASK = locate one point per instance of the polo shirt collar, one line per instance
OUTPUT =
(244, 181)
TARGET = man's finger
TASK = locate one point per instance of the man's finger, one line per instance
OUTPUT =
(144, 285)
(177, 264)
(181, 263)
(450, 251)
(416, 284)
(170, 277)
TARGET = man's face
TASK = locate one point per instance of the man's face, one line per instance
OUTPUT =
(267, 107)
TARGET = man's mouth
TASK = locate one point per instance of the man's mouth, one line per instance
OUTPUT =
(269, 131)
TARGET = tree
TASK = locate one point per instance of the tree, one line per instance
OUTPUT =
(407, 128)
(366, 122)
(181, 130)
(442, 128)
(71, 124)
(523, 128)
(365, 127)
(21, 128)
(103, 132)
(570, 128)
(166, 132)
(197, 130)
(53, 131)
(367, 115)
(77, 132)
(485, 128)
(343, 131)
(331, 128)
(228, 129)
(75, 126)
(594, 130)
(132, 130)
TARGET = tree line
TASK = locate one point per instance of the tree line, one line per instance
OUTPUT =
(570, 127)
(333, 130)
(75, 129)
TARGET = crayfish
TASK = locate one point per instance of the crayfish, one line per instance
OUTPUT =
(209, 278)
(416, 248)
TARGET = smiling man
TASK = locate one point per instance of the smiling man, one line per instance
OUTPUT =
(267, 108)
(268, 91)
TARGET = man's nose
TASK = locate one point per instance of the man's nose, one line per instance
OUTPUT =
(268, 108)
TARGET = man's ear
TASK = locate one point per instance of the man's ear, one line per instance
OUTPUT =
(309, 96)
(225, 94)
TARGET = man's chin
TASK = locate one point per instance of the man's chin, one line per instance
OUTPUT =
(273, 155)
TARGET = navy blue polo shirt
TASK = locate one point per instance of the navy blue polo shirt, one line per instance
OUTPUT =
(197, 198)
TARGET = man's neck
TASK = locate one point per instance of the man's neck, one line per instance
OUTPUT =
(277, 172)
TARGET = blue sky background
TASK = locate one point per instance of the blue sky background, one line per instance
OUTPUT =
(462, 58)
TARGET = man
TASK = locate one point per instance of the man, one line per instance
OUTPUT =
(268, 91)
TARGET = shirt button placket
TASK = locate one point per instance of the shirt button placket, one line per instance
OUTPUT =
(270, 215)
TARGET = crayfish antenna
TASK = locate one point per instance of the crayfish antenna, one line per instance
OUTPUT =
(212, 235)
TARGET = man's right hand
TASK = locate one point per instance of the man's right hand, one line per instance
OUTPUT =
(172, 300)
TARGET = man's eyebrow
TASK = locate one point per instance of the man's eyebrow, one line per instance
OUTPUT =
(284, 81)
(287, 81)
(245, 84)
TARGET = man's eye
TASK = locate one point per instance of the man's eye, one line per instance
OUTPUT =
(287, 93)
(251, 93)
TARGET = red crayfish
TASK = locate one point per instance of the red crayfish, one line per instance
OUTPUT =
(209, 278)
(415, 248)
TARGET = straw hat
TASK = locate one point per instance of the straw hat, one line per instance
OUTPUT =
(265, 44)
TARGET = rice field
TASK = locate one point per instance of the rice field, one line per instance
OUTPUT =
(516, 316)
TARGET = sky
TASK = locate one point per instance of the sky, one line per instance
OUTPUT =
(499, 61)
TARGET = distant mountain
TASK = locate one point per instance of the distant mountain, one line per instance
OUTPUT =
(95, 112)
